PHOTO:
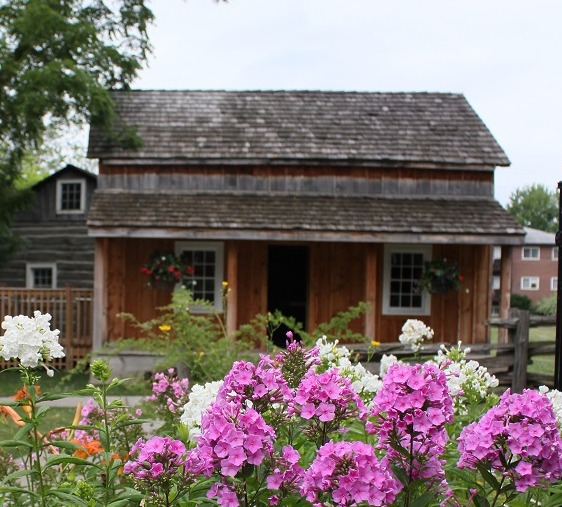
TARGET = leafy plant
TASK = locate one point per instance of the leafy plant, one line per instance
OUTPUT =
(166, 267)
(520, 301)
(439, 276)
(546, 306)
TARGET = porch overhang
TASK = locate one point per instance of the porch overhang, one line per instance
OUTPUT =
(281, 217)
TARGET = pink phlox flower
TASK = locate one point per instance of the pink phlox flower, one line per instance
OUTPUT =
(287, 474)
(328, 396)
(158, 457)
(411, 410)
(521, 431)
(348, 473)
(232, 436)
(226, 496)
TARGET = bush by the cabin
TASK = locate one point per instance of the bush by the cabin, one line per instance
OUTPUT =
(546, 306)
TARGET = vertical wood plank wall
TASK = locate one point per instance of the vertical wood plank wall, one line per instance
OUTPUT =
(341, 275)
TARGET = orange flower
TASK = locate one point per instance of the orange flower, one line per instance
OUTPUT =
(23, 395)
(90, 448)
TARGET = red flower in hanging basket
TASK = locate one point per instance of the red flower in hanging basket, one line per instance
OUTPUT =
(166, 268)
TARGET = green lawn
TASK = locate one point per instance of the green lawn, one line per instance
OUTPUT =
(540, 364)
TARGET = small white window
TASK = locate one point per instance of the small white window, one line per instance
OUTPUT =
(207, 261)
(403, 267)
(71, 196)
(41, 276)
(554, 283)
(554, 253)
(531, 253)
(529, 283)
(496, 283)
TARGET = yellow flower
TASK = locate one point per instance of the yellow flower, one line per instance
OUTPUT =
(224, 284)
(201, 354)
(375, 343)
(165, 328)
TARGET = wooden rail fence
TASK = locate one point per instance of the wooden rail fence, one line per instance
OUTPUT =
(72, 313)
(507, 361)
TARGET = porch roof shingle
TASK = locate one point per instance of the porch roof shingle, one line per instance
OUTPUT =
(313, 218)
(304, 127)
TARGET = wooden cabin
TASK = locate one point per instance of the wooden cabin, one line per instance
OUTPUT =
(55, 251)
(304, 201)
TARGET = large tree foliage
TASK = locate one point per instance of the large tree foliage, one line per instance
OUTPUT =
(535, 206)
(58, 61)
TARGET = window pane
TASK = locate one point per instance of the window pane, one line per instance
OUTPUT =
(42, 278)
(71, 194)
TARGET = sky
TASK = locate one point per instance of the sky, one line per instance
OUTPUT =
(505, 56)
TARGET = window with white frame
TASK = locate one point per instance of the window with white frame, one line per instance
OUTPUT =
(529, 283)
(554, 253)
(403, 267)
(554, 283)
(41, 276)
(531, 253)
(71, 196)
(207, 260)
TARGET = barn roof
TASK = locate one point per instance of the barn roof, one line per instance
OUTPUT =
(303, 127)
(301, 217)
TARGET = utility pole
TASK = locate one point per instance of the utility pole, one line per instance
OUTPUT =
(558, 350)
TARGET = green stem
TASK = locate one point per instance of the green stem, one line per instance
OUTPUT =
(35, 439)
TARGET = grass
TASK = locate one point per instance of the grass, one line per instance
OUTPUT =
(543, 365)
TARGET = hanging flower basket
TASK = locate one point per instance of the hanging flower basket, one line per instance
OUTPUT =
(440, 277)
(165, 270)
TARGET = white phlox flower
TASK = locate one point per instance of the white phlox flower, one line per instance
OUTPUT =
(414, 332)
(200, 399)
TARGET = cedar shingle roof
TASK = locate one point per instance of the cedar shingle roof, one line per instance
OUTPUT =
(301, 127)
(249, 216)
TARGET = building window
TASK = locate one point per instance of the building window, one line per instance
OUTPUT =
(403, 267)
(554, 283)
(71, 196)
(41, 276)
(531, 253)
(207, 260)
(529, 283)
(554, 253)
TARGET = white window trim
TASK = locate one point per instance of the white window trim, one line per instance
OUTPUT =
(218, 248)
(530, 278)
(555, 253)
(30, 266)
(425, 308)
(554, 283)
(82, 209)
(538, 258)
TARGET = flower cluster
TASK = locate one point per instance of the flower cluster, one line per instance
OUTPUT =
(166, 267)
(158, 457)
(468, 382)
(169, 392)
(555, 397)
(263, 384)
(414, 332)
(295, 361)
(348, 473)
(30, 339)
(364, 382)
(287, 473)
(200, 399)
(326, 400)
(519, 438)
(231, 437)
(411, 410)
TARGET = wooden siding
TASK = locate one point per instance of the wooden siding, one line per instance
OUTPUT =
(340, 275)
(72, 315)
(51, 238)
(288, 179)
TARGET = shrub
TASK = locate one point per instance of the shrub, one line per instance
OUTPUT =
(520, 301)
(546, 306)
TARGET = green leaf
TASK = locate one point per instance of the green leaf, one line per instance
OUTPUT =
(70, 498)
(16, 443)
(488, 476)
(58, 460)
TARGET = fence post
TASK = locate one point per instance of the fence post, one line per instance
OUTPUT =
(521, 352)
(69, 338)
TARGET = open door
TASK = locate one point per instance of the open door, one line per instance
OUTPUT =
(287, 284)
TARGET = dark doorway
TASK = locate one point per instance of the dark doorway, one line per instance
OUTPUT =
(287, 281)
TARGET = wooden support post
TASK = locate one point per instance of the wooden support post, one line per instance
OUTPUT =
(99, 332)
(505, 290)
(370, 290)
(521, 349)
(232, 278)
